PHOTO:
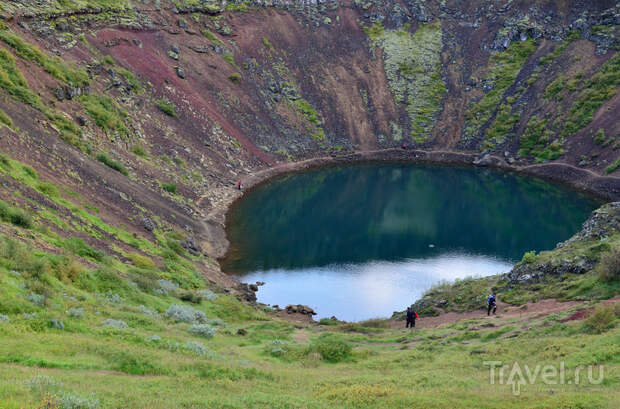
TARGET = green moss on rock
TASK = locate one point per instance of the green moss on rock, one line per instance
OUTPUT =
(504, 69)
(413, 69)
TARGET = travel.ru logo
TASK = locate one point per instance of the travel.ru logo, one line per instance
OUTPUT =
(518, 375)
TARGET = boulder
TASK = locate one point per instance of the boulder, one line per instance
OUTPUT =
(299, 309)
(148, 224)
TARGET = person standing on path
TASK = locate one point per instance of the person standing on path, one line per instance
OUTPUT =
(411, 316)
(492, 303)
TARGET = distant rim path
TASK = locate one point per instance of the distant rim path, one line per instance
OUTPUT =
(603, 187)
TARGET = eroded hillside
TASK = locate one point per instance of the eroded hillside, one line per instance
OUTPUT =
(127, 124)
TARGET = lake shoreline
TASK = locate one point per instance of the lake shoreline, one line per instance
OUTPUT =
(605, 188)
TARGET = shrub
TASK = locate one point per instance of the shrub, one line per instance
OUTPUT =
(139, 150)
(216, 322)
(114, 164)
(601, 319)
(141, 261)
(529, 257)
(332, 349)
(5, 119)
(71, 401)
(58, 324)
(235, 77)
(609, 267)
(113, 298)
(78, 247)
(182, 313)
(105, 112)
(148, 311)
(20, 218)
(21, 258)
(42, 384)
(76, 312)
(36, 299)
(207, 295)
(599, 137)
(203, 330)
(277, 348)
(169, 187)
(196, 347)
(48, 189)
(612, 168)
(15, 216)
(167, 286)
(328, 321)
(190, 296)
(115, 324)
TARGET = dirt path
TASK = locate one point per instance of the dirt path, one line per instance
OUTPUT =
(505, 311)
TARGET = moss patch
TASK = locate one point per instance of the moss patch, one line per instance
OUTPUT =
(413, 69)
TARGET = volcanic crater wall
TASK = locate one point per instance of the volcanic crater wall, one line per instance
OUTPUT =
(150, 111)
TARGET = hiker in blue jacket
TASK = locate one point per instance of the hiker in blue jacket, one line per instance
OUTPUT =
(492, 303)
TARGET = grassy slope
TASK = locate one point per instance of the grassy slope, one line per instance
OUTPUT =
(441, 367)
(158, 363)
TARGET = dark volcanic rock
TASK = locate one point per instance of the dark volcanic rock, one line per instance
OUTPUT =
(299, 309)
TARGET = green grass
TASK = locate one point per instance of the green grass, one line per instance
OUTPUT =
(612, 168)
(375, 31)
(139, 150)
(14, 83)
(504, 68)
(106, 113)
(54, 66)
(597, 90)
(167, 107)
(212, 37)
(230, 59)
(111, 163)
(504, 123)
(536, 141)
(14, 215)
(549, 58)
(599, 137)
(169, 187)
(235, 77)
(307, 111)
(266, 43)
(5, 119)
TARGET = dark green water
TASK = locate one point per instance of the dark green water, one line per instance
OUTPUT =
(313, 237)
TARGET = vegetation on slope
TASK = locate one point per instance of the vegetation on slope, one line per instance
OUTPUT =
(413, 70)
(79, 337)
(504, 68)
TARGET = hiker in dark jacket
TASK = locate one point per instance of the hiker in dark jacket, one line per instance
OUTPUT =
(411, 316)
(492, 303)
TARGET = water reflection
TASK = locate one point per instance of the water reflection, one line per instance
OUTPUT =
(360, 291)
